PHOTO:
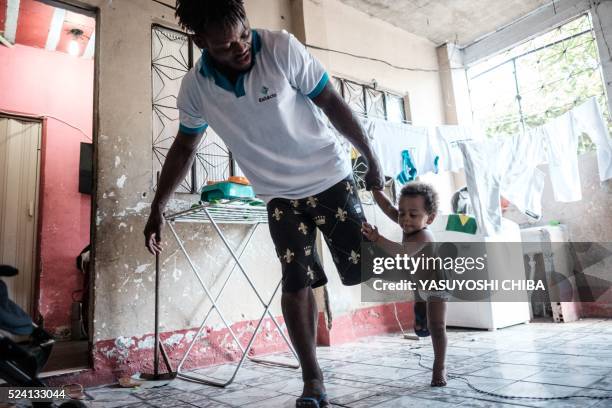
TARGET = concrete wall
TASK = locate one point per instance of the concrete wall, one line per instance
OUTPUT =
(42, 83)
(333, 25)
(124, 278)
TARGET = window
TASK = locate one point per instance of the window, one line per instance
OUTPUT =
(368, 102)
(173, 55)
(538, 80)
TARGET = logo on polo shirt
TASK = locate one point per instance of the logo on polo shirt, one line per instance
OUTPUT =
(266, 95)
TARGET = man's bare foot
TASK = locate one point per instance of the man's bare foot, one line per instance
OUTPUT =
(315, 389)
(438, 376)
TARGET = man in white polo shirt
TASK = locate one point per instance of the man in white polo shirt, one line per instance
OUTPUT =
(265, 96)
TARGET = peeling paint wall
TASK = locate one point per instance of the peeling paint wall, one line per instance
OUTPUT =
(124, 281)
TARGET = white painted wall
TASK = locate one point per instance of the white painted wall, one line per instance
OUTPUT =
(333, 25)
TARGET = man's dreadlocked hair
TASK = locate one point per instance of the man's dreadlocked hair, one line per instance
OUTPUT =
(198, 15)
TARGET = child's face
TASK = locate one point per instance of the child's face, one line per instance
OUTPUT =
(412, 215)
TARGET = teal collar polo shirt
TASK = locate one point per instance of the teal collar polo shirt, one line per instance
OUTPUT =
(276, 134)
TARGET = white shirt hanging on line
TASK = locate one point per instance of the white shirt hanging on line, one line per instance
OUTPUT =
(561, 143)
(448, 137)
(484, 180)
(523, 183)
(390, 139)
(587, 118)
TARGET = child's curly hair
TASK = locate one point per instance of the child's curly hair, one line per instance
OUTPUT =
(425, 190)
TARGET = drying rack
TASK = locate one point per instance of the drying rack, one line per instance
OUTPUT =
(227, 212)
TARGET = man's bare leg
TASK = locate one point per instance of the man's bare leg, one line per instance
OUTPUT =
(300, 313)
(436, 320)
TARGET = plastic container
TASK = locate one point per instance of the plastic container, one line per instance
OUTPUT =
(226, 191)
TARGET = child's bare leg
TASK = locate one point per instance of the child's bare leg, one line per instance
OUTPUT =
(436, 321)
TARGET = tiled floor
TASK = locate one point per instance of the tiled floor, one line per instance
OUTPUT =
(539, 359)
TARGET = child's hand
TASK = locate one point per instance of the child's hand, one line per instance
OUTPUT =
(378, 194)
(370, 232)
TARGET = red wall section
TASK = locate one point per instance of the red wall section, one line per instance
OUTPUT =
(59, 86)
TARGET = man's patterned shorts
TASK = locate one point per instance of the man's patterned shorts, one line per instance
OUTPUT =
(338, 214)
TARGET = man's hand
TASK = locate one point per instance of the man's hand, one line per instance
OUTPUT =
(374, 178)
(177, 164)
(152, 231)
(343, 119)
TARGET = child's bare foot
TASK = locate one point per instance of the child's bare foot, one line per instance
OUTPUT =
(438, 376)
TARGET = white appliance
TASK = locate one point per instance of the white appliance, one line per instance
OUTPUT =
(552, 242)
(505, 258)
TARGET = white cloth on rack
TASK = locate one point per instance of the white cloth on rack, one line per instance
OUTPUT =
(484, 180)
(587, 118)
(562, 155)
(448, 137)
(391, 139)
(523, 182)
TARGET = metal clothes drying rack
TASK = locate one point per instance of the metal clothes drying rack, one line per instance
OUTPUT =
(229, 212)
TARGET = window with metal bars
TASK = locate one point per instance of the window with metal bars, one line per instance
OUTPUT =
(366, 101)
(369, 102)
(173, 54)
(538, 80)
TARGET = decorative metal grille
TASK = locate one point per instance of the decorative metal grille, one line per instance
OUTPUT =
(173, 55)
(394, 106)
(354, 97)
(366, 101)
(375, 103)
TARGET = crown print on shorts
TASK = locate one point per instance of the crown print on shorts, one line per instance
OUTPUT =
(312, 201)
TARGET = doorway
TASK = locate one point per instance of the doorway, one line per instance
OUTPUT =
(19, 180)
(47, 73)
